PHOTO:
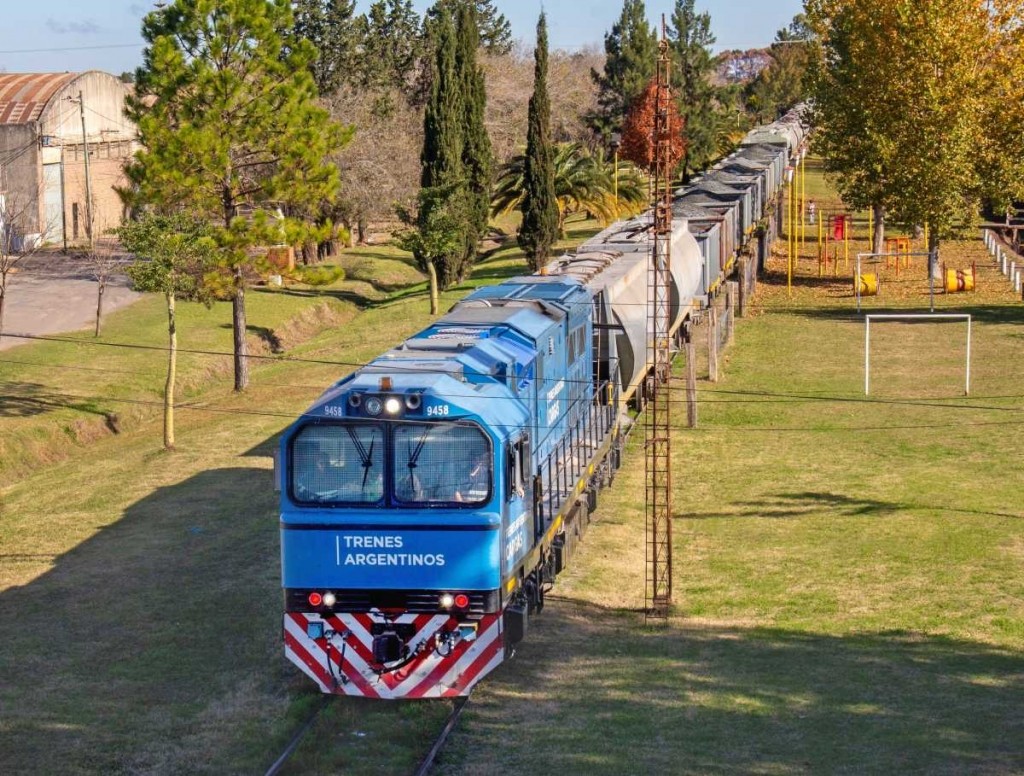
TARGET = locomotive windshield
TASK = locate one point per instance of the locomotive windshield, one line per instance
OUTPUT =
(441, 463)
(338, 464)
(431, 464)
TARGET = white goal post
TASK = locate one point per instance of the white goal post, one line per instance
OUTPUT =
(913, 317)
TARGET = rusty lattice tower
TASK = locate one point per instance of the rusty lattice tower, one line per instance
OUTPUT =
(658, 441)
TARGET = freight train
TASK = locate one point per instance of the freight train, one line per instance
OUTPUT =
(430, 498)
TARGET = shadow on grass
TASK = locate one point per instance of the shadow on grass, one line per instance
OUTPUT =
(594, 691)
(988, 314)
(812, 504)
(360, 301)
(266, 334)
(25, 400)
(156, 637)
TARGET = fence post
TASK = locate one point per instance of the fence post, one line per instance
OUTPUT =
(730, 300)
(691, 383)
(742, 290)
(713, 344)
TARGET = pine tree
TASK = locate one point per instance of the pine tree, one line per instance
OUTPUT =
(442, 178)
(332, 27)
(539, 229)
(227, 118)
(477, 160)
(393, 46)
(690, 40)
(631, 50)
(782, 84)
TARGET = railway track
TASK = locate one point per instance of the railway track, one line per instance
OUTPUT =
(421, 770)
(431, 757)
(296, 739)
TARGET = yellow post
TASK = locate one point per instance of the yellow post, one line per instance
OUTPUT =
(821, 256)
(871, 229)
(847, 225)
(803, 201)
(828, 235)
(789, 230)
(926, 235)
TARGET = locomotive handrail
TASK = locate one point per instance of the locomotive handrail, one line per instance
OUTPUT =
(557, 475)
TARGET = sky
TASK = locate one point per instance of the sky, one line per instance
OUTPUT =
(104, 34)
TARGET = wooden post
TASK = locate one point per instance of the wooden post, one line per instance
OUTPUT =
(713, 344)
(730, 301)
(691, 383)
(741, 288)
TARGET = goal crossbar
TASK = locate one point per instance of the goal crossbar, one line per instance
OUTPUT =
(913, 317)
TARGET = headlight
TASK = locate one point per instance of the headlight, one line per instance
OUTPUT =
(392, 406)
(330, 599)
(447, 600)
(373, 406)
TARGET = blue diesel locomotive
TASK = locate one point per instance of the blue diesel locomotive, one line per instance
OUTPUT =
(430, 498)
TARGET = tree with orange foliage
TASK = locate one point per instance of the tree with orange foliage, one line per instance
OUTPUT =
(638, 130)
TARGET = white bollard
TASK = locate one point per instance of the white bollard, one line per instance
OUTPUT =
(1013, 269)
(1016, 282)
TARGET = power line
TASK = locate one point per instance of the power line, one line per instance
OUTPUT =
(140, 44)
(752, 429)
(757, 397)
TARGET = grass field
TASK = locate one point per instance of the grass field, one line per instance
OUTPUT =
(849, 595)
(140, 589)
(848, 573)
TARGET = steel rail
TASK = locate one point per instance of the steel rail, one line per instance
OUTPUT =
(296, 739)
(428, 762)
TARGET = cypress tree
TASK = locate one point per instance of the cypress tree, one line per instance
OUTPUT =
(441, 158)
(442, 176)
(493, 30)
(227, 116)
(476, 149)
(539, 229)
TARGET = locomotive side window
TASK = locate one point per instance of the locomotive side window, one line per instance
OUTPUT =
(516, 465)
(441, 463)
(338, 463)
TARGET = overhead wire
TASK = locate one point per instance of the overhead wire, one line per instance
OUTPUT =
(755, 397)
(215, 409)
(55, 49)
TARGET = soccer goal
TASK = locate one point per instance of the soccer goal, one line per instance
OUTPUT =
(914, 317)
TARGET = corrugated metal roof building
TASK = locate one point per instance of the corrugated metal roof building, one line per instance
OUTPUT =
(42, 152)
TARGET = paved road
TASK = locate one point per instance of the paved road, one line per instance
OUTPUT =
(52, 293)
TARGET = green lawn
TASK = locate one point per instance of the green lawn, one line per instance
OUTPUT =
(139, 589)
(849, 595)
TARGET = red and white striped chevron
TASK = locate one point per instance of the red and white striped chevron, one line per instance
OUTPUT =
(344, 665)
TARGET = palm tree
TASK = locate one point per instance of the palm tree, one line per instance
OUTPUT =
(583, 181)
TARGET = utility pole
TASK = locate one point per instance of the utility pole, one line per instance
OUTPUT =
(88, 178)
